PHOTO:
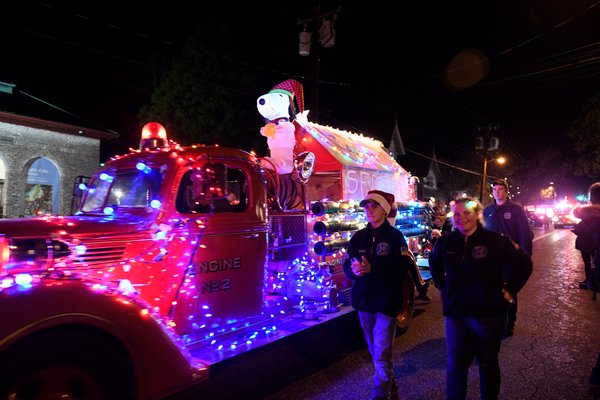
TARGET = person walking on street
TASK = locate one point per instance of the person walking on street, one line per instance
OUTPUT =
(586, 245)
(504, 216)
(377, 261)
(588, 236)
(477, 272)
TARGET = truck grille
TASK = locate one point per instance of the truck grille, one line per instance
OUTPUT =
(98, 253)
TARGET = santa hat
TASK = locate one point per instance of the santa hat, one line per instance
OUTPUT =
(293, 89)
(385, 200)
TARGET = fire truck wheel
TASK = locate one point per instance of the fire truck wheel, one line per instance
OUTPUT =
(404, 318)
(66, 363)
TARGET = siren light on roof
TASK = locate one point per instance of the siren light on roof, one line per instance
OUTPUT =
(154, 136)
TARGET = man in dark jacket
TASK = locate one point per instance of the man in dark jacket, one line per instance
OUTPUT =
(588, 234)
(585, 242)
(507, 217)
(477, 272)
(588, 231)
(378, 264)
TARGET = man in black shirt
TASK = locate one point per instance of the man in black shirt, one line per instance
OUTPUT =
(504, 216)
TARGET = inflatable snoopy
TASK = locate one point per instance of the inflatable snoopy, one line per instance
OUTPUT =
(278, 109)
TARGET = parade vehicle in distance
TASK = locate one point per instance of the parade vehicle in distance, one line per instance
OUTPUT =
(181, 257)
(564, 218)
(539, 215)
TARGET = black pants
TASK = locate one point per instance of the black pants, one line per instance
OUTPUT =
(587, 263)
(511, 314)
(468, 338)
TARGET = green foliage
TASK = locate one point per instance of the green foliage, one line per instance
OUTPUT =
(208, 96)
(585, 136)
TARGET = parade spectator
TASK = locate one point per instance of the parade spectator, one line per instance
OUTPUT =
(378, 263)
(588, 236)
(442, 225)
(590, 223)
(477, 272)
(586, 245)
(504, 216)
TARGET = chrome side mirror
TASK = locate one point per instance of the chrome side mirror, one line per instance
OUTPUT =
(304, 163)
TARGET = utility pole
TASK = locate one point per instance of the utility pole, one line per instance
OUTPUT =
(318, 32)
(486, 145)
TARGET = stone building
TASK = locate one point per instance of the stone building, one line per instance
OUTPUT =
(40, 161)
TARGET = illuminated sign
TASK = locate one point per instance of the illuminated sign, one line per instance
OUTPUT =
(357, 182)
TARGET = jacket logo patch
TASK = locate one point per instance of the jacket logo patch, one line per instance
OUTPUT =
(507, 215)
(479, 252)
(383, 249)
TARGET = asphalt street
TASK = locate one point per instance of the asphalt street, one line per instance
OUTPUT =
(556, 342)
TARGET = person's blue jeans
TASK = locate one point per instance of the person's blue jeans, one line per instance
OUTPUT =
(468, 338)
(380, 332)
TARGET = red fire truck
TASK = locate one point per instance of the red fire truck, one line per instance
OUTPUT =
(181, 257)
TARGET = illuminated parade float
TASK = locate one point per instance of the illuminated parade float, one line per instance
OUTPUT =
(181, 257)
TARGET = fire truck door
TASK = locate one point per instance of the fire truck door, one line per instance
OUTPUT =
(229, 259)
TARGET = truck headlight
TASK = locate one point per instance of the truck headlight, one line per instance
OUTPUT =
(30, 254)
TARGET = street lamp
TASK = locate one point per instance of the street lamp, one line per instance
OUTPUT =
(553, 191)
(499, 160)
(322, 34)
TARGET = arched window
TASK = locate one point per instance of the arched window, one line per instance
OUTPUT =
(42, 188)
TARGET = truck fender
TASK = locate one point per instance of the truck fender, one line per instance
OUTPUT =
(61, 320)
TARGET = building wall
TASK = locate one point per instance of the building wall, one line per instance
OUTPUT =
(20, 146)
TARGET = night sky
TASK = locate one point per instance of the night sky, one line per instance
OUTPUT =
(524, 67)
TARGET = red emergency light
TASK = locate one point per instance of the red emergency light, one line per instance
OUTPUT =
(154, 136)
(4, 251)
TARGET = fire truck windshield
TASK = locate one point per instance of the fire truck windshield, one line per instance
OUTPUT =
(127, 189)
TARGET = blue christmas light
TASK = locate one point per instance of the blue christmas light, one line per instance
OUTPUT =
(109, 210)
(106, 177)
(23, 280)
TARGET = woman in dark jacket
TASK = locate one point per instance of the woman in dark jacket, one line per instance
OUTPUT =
(477, 272)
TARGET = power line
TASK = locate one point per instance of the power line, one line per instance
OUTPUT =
(64, 111)
(468, 171)
(77, 45)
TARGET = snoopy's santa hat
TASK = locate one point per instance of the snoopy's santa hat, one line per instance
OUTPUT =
(293, 89)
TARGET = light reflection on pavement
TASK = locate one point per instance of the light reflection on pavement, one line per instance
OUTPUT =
(539, 233)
